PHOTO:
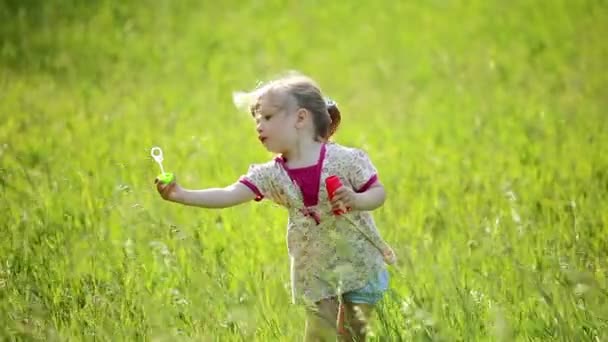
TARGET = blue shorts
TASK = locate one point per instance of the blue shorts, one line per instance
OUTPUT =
(372, 292)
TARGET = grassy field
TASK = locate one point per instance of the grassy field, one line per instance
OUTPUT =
(486, 120)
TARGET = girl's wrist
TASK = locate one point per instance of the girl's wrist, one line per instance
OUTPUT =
(177, 195)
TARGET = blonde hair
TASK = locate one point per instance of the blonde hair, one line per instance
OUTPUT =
(306, 94)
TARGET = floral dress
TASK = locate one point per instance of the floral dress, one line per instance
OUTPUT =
(329, 256)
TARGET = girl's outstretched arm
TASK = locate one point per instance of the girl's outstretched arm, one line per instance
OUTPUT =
(229, 196)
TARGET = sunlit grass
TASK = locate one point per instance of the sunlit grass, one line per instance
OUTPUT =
(485, 119)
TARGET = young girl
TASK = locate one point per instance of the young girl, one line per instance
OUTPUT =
(337, 261)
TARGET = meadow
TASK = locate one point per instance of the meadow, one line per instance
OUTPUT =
(486, 120)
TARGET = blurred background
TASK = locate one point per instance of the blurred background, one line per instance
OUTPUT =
(486, 120)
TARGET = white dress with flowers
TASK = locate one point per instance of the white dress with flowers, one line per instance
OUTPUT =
(329, 256)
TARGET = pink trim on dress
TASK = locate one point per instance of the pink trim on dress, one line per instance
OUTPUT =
(369, 183)
(252, 187)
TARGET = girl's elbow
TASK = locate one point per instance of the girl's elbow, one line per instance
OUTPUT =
(381, 193)
(382, 197)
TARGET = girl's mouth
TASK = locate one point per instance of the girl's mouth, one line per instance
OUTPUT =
(262, 139)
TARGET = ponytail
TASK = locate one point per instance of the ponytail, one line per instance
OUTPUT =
(334, 115)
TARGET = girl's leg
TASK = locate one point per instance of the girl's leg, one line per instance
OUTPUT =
(359, 306)
(357, 319)
(321, 321)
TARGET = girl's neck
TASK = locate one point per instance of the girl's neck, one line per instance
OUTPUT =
(303, 153)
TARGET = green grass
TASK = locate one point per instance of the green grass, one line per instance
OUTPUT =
(486, 119)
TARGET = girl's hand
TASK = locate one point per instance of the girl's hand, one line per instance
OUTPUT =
(389, 256)
(344, 198)
(169, 191)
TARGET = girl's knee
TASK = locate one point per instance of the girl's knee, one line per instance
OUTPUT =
(357, 320)
(321, 321)
(319, 329)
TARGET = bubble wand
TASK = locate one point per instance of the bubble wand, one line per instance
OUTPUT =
(164, 177)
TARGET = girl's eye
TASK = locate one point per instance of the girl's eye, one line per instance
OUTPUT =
(267, 117)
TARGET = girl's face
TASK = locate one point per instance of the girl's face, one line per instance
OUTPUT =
(275, 123)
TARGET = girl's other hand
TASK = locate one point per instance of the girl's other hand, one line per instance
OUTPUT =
(169, 191)
(344, 198)
(389, 256)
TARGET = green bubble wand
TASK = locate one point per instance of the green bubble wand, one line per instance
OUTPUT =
(164, 177)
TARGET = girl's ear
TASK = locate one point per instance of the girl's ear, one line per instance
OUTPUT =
(301, 117)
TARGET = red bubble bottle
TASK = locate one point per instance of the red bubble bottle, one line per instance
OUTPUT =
(333, 183)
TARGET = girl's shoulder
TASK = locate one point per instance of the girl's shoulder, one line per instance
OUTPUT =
(266, 166)
(340, 151)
